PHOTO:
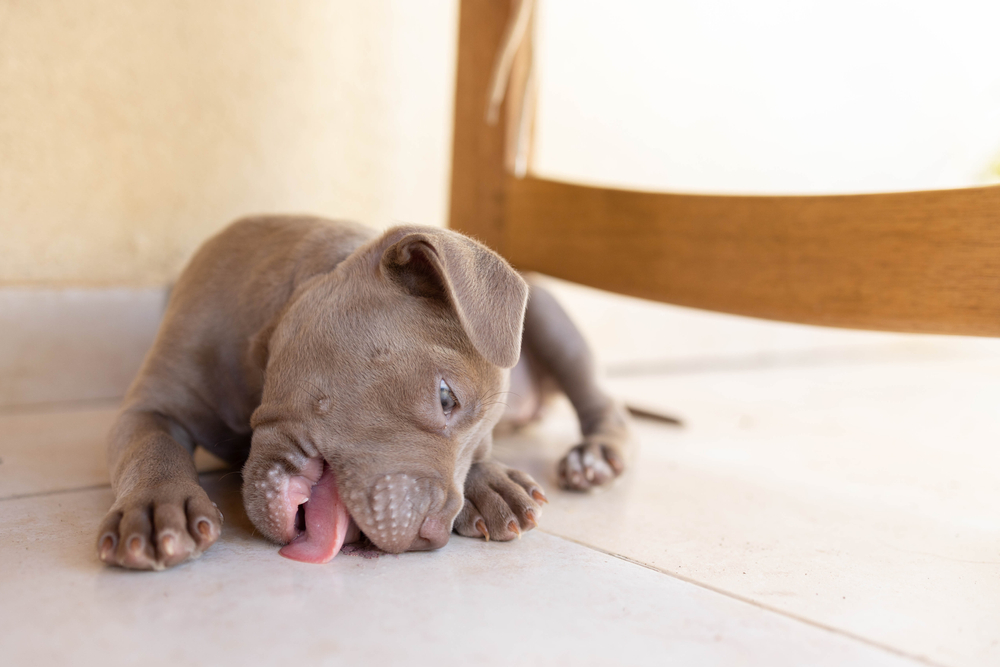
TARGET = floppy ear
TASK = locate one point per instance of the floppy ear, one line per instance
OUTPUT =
(488, 296)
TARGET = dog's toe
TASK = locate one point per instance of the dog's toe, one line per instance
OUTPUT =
(470, 522)
(174, 542)
(135, 548)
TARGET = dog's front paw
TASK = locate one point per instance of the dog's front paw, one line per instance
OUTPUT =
(500, 502)
(152, 529)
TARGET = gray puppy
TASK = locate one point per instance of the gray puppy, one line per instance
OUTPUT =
(357, 378)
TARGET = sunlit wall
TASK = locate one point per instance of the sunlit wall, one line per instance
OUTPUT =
(130, 131)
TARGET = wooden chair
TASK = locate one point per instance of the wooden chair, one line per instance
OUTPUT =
(913, 261)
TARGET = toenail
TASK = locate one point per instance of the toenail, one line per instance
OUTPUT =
(168, 544)
(107, 547)
(204, 528)
(481, 526)
(514, 528)
(135, 545)
(538, 495)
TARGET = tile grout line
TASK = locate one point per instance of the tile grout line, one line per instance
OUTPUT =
(837, 631)
(91, 487)
(56, 492)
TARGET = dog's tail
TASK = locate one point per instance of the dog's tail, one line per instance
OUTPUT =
(643, 413)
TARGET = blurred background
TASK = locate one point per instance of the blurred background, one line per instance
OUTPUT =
(129, 132)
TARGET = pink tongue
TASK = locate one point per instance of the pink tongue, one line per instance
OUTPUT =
(326, 524)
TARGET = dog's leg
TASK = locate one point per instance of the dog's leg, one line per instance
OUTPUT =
(554, 342)
(161, 515)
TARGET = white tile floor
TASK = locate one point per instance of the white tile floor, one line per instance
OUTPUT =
(832, 499)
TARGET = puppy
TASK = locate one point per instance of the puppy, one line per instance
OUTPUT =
(357, 378)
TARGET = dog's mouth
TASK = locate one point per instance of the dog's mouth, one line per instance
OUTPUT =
(316, 521)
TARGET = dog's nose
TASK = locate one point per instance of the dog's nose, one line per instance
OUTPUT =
(435, 529)
(435, 532)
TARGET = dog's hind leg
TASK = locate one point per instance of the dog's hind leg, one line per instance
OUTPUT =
(553, 342)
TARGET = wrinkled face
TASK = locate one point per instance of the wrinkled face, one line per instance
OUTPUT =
(374, 404)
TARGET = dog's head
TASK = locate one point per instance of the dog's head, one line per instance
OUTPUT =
(384, 378)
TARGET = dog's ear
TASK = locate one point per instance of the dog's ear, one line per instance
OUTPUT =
(488, 296)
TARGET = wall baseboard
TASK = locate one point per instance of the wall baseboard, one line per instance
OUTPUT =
(73, 344)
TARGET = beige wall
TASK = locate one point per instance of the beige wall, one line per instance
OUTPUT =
(130, 131)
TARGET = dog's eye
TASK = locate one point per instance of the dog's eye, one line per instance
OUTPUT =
(448, 401)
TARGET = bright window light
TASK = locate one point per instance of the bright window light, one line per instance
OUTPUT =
(769, 96)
